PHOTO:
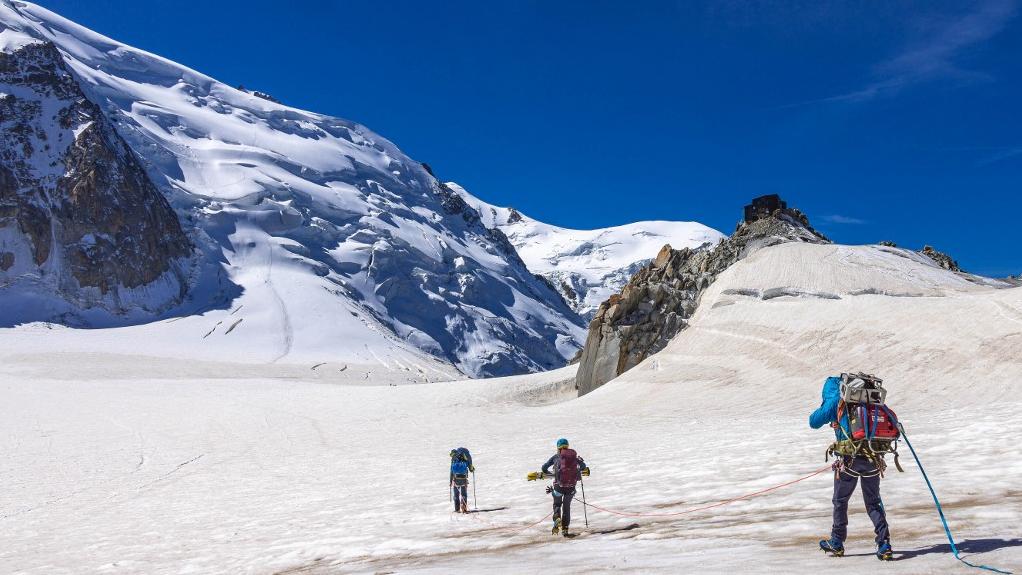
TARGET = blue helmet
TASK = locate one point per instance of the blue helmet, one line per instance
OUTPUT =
(562, 443)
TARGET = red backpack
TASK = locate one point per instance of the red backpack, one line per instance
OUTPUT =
(567, 467)
(873, 422)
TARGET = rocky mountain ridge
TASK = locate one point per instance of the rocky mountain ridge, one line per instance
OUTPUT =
(79, 216)
(656, 303)
(587, 266)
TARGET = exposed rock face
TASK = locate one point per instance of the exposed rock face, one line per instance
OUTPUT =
(259, 94)
(943, 260)
(657, 302)
(77, 210)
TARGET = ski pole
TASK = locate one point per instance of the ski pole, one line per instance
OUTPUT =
(585, 513)
(475, 502)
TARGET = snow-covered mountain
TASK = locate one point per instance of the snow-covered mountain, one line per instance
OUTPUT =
(588, 266)
(304, 236)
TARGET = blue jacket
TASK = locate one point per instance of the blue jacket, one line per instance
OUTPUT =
(827, 412)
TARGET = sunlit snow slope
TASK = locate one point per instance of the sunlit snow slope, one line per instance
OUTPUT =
(328, 242)
(587, 266)
(135, 465)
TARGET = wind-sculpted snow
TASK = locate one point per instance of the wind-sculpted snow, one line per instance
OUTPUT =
(588, 266)
(321, 224)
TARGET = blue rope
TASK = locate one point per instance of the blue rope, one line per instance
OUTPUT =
(947, 530)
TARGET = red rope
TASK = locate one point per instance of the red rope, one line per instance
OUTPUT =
(711, 506)
(531, 525)
(687, 511)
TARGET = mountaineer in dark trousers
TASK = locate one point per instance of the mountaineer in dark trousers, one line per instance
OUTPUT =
(461, 466)
(848, 471)
(566, 467)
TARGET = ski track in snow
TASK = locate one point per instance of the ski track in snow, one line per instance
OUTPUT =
(286, 329)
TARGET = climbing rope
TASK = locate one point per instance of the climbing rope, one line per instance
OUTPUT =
(518, 530)
(940, 511)
(513, 529)
(531, 525)
(711, 506)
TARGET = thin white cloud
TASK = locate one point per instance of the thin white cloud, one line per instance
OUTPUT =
(839, 219)
(935, 55)
(1002, 154)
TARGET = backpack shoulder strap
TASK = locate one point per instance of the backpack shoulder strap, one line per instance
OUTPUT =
(837, 424)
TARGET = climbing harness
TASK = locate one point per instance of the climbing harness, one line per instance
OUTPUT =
(940, 510)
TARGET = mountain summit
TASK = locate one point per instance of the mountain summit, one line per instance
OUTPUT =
(588, 266)
(138, 189)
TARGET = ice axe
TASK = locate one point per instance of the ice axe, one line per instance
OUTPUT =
(585, 513)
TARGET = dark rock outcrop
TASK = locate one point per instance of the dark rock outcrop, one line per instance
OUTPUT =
(75, 203)
(259, 94)
(940, 258)
(658, 301)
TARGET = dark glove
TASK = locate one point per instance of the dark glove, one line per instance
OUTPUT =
(585, 472)
(549, 489)
(472, 468)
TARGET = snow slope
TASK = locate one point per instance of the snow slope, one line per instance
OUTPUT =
(328, 241)
(134, 465)
(588, 266)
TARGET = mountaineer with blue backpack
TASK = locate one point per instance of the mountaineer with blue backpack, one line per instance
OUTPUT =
(461, 466)
(865, 430)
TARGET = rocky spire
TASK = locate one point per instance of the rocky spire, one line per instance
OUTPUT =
(941, 259)
(658, 301)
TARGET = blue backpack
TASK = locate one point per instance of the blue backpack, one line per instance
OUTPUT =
(459, 468)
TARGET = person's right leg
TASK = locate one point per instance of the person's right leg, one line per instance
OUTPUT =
(558, 499)
(875, 508)
(569, 494)
(844, 486)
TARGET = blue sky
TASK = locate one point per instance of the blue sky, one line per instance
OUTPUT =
(881, 120)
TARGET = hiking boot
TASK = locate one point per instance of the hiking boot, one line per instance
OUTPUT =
(564, 531)
(833, 546)
(557, 526)
(884, 552)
